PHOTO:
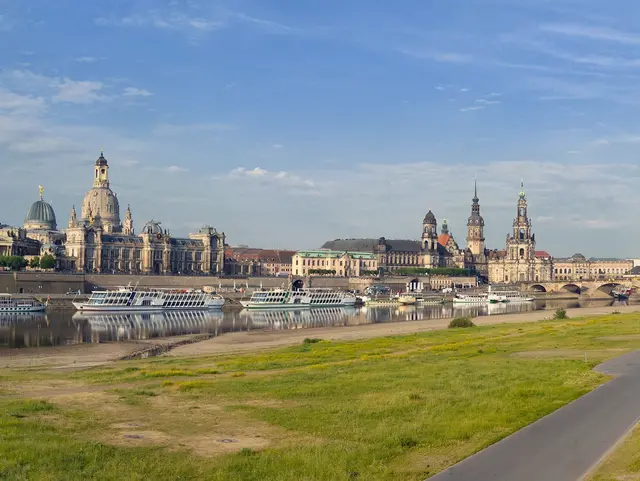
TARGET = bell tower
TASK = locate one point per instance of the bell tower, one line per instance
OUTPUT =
(475, 226)
(101, 169)
(523, 242)
(429, 232)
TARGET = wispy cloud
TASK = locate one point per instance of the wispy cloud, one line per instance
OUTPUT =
(180, 129)
(592, 33)
(436, 56)
(174, 169)
(480, 104)
(276, 178)
(79, 92)
(277, 146)
(87, 59)
(136, 92)
(194, 20)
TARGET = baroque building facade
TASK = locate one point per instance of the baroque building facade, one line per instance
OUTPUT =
(98, 241)
(578, 268)
(520, 261)
(431, 251)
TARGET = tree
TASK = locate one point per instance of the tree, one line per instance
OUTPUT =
(48, 261)
(14, 263)
(35, 262)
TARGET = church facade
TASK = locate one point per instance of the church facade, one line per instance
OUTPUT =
(98, 241)
(520, 261)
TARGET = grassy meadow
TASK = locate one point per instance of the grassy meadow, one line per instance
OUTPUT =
(393, 408)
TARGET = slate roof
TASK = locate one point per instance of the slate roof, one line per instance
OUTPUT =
(369, 245)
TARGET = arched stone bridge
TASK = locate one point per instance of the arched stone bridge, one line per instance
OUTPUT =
(588, 288)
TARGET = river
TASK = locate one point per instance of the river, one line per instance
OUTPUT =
(64, 327)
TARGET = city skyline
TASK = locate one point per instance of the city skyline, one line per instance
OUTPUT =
(353, 120)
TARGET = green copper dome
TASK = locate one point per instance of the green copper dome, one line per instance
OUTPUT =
(40, 216)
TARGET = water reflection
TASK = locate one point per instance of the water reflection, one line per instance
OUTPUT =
(64, 327)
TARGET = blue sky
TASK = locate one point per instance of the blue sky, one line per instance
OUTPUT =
(286, 123)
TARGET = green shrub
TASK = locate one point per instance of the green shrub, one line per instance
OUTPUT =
(461, 322)
(560, 314)
(309, 340)
(408, 442)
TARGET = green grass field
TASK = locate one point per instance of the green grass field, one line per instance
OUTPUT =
(395, 408)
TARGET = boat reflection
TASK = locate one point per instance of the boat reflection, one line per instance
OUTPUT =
(300, 319)
(146, 325)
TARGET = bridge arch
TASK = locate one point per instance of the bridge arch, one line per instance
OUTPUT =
(571, 288)
(608, 287)
(538, 288)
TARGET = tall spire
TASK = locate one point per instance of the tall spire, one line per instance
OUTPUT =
(475, 191)
(522, 195)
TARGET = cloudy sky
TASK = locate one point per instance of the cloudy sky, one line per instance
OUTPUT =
(286, 124)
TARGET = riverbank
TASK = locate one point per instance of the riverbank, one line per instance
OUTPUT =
(265, 340)
(82, 356)
(380, 409)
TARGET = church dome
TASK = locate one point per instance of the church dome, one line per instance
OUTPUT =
(101, 160)
(101, 200)
(40, 216)
(578, 257)
(152, 227)
(429, 218)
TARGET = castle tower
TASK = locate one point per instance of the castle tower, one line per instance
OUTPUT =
(127, 228)
(475, 226)
(73, 218)
(522, 245)
(429, 232)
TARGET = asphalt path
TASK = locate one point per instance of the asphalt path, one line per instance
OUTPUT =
(568, 443)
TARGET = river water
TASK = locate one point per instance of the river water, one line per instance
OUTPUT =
(63, 327)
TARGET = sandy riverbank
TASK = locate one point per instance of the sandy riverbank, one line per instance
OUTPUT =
(261, 340)
(81, 356)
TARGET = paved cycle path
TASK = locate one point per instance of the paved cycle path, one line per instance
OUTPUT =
(568, 443)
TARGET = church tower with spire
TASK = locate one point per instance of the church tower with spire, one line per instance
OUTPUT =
(522, 245)
(475, 226)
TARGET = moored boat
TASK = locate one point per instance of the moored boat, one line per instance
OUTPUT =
(407, 300)
(326, 297)
(276, 299)
(480, 298)
(509, 296)
(133, 299)
(9, 303)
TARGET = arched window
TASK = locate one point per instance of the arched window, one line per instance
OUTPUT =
(521, 252)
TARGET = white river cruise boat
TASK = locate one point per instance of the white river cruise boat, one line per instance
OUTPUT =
(8, 303)
(509, 296)
(276, 299)
(480, 298)
(321, 297)
(130, 299)
(300, 299)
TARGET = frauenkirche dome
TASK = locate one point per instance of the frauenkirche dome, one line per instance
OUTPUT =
(101, 200)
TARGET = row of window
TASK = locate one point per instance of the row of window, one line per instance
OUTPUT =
(568, 270)
(323, 263)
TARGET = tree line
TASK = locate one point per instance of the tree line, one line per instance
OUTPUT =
(16, 263)
(435, 271)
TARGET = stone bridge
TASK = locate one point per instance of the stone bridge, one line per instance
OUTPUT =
(589, 288)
